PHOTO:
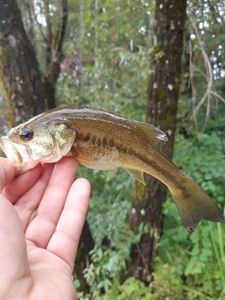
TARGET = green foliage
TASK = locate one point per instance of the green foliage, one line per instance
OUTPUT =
(200, 262)
(187, 266)
(111, 59)
(206, 165)
(131, 289)
(108, 218)
(99, 84)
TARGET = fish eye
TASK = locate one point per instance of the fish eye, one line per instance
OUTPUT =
(26, 134)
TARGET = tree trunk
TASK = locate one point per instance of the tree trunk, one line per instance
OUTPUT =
(83, 258)
(20, 75)
(163, 92)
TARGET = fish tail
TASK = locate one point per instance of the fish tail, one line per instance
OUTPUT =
(194, 205)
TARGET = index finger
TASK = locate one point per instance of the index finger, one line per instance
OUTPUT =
(7, 172)
(65, 239)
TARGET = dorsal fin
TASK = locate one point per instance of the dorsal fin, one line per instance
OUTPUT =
(152, 134)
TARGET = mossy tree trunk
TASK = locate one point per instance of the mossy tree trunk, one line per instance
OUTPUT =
(20, 75)
(163, 92)
(27, 89)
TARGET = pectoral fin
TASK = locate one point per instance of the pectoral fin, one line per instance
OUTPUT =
(140, 176)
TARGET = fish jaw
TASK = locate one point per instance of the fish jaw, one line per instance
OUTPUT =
(10, 150)
(17, 154)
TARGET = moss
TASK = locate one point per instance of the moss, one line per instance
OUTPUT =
(4, 61)
(10, 116)
(168, 120)
(4, 55)
(3, 90)
(139, 193)
(161, 94)
(156, 53)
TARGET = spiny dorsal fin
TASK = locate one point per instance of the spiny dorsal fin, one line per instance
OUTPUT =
(153, 134)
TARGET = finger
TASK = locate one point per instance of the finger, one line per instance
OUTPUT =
(7, 172)
(64, 241)
(21, 184)
(28, 203)
(52, 203)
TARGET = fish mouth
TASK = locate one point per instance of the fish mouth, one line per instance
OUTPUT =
(13, 152)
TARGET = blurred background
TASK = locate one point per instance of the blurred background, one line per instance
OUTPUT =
(159, 61)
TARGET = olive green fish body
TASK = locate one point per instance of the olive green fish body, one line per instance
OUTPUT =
(101, 140)
(100, 144)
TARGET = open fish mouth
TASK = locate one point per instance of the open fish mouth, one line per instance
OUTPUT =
(17, 153)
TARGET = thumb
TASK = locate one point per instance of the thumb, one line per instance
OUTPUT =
(7, 172)
(13, 254)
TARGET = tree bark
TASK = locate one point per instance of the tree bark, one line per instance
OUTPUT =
(163, 92)
(55, 53)
(83, 258)
(20, 75)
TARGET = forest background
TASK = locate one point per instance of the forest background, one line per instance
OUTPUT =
(156, 61)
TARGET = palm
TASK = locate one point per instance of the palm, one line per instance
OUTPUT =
(46, 218)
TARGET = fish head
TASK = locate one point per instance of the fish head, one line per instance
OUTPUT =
(30, 143)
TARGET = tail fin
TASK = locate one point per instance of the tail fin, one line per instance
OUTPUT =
(194, 205)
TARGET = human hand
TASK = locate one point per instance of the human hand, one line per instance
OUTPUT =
(42, 213)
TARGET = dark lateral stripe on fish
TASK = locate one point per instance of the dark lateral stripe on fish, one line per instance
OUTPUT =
(83, 137)
(104, 142)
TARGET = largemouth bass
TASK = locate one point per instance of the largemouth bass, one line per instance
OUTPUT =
(104, 141)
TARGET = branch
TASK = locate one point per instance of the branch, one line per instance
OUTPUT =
(29, 20)
(57, 53)
(48, 46)
(191, 80)
(39, 25)
(60, 34)
(209, 92)
(213, 8)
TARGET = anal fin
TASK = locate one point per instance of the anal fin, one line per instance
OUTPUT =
(139, 175)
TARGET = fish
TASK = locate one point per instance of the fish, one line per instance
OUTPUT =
(105, 141)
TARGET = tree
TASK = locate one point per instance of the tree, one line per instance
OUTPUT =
(20, 74)
(163, 92)
(22, 80)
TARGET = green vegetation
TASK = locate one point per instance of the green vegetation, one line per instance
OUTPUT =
(187, 267)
